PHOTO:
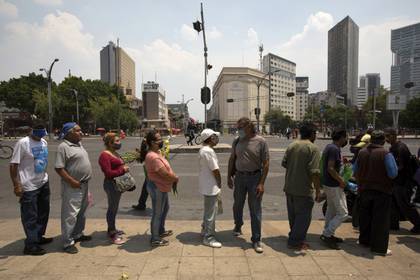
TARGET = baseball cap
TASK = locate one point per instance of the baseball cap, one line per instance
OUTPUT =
(207, 133)
(364, 141)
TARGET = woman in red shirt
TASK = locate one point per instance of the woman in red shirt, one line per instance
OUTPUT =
(113, 166)
(160, 180)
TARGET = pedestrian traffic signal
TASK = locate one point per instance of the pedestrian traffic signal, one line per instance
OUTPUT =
(205, 95)
(197, 26)
(257, 111)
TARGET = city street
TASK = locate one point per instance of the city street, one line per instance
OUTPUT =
(188, 205)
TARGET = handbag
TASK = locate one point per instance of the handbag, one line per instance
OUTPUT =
(125, 182)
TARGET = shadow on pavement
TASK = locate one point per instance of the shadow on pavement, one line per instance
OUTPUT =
(411, 242)
(225, 237)
(137, 243)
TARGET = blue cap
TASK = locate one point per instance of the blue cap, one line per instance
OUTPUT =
(66, 128)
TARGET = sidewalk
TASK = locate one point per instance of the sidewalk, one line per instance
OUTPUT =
(186, 258)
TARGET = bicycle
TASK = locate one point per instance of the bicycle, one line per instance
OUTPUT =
(6, 151)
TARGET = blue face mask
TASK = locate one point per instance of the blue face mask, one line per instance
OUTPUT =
(241, 133)
(39, 132)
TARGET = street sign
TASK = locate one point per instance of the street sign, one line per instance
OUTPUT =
(205, 95)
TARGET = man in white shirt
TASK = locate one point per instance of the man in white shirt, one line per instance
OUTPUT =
(28, 171)
(209, 185)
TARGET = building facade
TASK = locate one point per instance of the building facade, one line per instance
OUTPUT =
(369, 85)
(405, 47)
(179, 114)
(118, 68)
(343, 59)
(155, 110)
(325, 98)
(235, 96)
(301, 97)
(282, 76)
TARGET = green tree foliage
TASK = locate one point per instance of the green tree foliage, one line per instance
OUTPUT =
(410, 117)
(278, 120)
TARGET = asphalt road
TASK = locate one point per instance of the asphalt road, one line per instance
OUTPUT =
(187, 206)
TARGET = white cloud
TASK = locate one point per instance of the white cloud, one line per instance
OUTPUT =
(188, 33)
(214, 33)
(49, 2)
(8, 9)
(26, 47)
(252, 37)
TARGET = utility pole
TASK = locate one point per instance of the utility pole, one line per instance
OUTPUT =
(261, 49)
(117, 54)
(50, 113)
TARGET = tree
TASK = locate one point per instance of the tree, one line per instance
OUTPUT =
(384, 117)
(278, 120)
(410, 117)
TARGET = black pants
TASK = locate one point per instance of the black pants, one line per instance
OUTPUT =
(402, 195)
(144, 194)
(34, 210)
(375, 210)
(299, 212)
(355, 212)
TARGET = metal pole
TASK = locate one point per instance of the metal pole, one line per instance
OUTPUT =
(77, 107)
(258, 107)
(374, 109)
(50, 115)
(205, 62)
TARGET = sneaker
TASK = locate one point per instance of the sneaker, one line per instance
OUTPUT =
(237, 231)
(139, 207)
(34, 251)
(83, 238)
(166, 233)
(258, 247)
(71, 249)
(337, 239)
(212, 243)
(158, 243)
(117, 239)
(388, 253)
(45, 240)
(301, 247)
(330, 242)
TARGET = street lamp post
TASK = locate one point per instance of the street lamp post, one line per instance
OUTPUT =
(77, 104)
(50, 114)
(184, 105)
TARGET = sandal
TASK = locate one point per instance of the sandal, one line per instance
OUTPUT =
(166, 233)
(117, 239)
(161, 242)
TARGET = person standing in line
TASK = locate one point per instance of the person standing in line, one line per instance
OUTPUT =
(301, 161)
(374, 170)
(403, 183)
(112, 166)
(28, 171)
(333, 185)
(73, 166)
(247, 170)
(161, 179)
(209, 183)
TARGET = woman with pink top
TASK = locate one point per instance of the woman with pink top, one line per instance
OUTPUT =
(160, 180)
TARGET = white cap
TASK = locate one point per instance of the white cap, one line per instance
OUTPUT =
(207, 133)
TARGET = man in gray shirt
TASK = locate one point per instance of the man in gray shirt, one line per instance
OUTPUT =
(73, 166)
(247, 171)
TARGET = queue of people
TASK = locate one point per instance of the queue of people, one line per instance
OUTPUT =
(310, 177)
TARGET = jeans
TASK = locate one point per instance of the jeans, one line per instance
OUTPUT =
(336, 210)
(375, 210)
(160, 208)
(144, 194)
(299, 212)
(34, 210)
(73, 207)
(114, 197)
(247, 184)
(209, 216)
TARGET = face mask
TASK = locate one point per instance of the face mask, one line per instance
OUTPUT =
(160, 144)
(345, 144)
(116, 146)
(39, 132)
(215, 140)
(241, 133)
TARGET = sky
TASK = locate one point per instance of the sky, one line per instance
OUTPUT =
(159, 36)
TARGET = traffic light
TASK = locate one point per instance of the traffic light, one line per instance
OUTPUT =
(257, 111)
(229, 100)
(205, 95)
(209, 66)
(197, 26)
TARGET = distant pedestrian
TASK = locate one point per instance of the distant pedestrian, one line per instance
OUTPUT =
(209, 183)
(374, 170)
(141, 204)
(301, 161)
(247, 170)
(112, 166)
(73, 166)
(333, 185)
(28, 171)
(403, 183)
(161, 179)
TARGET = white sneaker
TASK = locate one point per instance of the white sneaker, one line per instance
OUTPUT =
(388, 253)
(212, 243)
(258, 247)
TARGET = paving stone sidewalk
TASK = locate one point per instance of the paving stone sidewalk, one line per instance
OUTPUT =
(186, 258)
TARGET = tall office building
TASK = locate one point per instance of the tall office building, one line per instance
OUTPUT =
(117, 68)
(343, 59)
(282, 82)
(368, 86)
(405, 47)
(301, 97)
(155, 110)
